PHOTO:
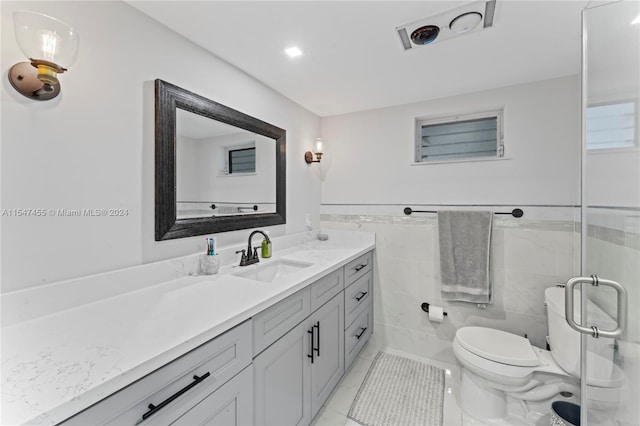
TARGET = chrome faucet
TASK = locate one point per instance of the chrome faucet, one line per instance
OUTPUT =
(249, 256)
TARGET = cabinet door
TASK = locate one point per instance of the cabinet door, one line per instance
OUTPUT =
(282, 381)
(328, 362)
(232, 404)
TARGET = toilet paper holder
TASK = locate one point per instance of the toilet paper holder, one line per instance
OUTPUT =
(425, 307)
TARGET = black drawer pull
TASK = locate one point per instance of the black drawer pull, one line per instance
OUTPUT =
(311, 340)
(155, 408)
(357, 268)
(317, 326)
(358, 336)
(362, 294)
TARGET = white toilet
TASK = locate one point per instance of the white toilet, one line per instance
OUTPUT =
(499, 367)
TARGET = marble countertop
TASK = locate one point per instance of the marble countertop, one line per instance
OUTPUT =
(62, 361)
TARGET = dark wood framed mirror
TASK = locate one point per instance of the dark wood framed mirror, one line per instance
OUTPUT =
(225, 199)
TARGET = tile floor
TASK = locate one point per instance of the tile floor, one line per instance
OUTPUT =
(335, 410)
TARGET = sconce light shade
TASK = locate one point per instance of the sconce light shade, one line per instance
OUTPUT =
(308, 156)
(51, 47)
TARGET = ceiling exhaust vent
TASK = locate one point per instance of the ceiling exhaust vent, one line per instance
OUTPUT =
(467, 19)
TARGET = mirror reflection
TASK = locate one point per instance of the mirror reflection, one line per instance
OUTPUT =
(222, 170)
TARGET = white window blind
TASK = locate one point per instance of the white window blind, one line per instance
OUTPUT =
(611, 126)
(460, 138)
(242, 160)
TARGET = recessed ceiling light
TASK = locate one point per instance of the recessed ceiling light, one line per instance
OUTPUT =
(293, 51)
(637, 20)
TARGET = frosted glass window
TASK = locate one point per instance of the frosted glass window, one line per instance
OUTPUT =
(464, 137)
(611, 126)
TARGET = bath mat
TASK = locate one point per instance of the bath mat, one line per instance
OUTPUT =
(398, 391)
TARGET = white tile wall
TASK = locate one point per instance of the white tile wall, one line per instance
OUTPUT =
(527, 256)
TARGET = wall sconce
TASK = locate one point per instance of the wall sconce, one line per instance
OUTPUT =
(308, 156)
(50, 45)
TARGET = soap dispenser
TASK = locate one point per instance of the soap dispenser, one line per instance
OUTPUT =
(266, 248)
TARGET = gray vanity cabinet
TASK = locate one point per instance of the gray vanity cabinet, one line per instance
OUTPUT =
(282, 381)
(294, 376)
(327, 366)
(231, 405)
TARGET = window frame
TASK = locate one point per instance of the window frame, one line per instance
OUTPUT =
(429, 121)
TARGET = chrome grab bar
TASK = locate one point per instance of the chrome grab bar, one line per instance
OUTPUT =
(593, 330)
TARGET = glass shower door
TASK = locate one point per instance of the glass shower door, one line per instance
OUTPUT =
(610, 365)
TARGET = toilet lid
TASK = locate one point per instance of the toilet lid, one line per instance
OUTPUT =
(498, 346)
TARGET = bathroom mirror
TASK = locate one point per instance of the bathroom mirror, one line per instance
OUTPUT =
(217, 169)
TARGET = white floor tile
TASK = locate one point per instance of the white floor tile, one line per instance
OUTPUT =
(328, 417)
(337, 407)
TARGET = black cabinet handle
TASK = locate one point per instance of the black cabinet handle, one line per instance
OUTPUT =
(358, 336)
(357, 268)
(362, 294)
(155, 408)
(311, 341)
(317, 326)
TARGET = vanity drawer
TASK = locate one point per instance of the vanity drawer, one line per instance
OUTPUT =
(325, 288)
(357, 268)
(357, 335)
(357, 297)
(200, 372)
(275, 321)
(232, 404)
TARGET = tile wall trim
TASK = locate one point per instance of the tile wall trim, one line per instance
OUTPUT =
(629, 240)
(547, 225)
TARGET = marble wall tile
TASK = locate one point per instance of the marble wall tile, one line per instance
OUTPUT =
(527, 257)
(535, 251)
(416, 342)
(523, 292)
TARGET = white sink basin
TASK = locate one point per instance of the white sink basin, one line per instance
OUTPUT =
(272, 271)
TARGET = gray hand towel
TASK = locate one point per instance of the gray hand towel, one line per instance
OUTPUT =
(465, 246)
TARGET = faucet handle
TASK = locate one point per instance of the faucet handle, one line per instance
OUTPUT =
(255, 252)
(244, 259)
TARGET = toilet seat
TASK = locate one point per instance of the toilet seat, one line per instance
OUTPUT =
(510, 375)
(480, 349)
(513, 349)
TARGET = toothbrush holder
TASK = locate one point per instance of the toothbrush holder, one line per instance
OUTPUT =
(209, 264)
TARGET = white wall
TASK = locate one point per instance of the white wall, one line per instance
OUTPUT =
(188, 176)
(371, 151)
(93, 147)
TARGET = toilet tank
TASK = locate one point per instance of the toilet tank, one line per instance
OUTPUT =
(564, 340)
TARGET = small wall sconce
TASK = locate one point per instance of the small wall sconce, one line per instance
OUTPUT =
(50, 45)
(308, 156)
